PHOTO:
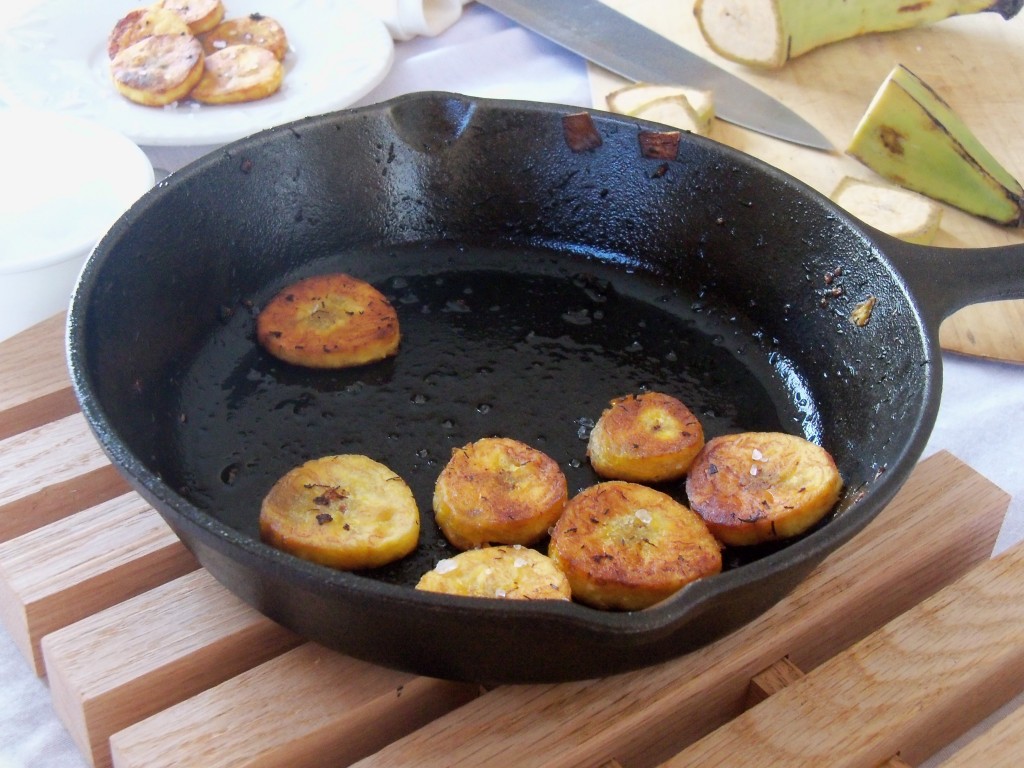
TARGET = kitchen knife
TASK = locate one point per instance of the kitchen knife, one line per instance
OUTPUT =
(606, 37)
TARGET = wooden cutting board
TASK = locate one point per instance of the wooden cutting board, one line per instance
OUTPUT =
(975, 62)
(897, 643)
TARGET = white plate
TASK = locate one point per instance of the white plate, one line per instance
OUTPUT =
(54, 57)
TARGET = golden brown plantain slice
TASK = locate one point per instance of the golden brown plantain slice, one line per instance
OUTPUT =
(625, 546)
(754, 487)
(647, 438)
(509, 572)
(141, 23)
(254, 29)
(348, 512)
(200, 15)
(158, 70)
(498, 491)
(329, 321)
(237, 74)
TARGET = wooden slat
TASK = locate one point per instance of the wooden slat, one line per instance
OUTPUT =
(1001, 746)
(130, 661)
(52, 471)
(905, 688)
(942, 522)
(81, 564)
(309, 707)
(36, 388)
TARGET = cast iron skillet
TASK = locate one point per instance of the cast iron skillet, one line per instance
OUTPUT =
(534, 281)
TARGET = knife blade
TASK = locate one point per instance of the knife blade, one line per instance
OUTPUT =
(614, 41)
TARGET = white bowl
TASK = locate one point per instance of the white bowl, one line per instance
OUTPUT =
(63, 182)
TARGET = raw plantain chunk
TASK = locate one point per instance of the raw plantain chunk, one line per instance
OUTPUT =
(911, 136)
(200, 15)
(509, 572)
(647, 438)
(158, 70)
(255, 29)
(142, 23)
(498, 491)
(625, 546)
(348, 512)
(329, 321)
(239, 73)
(898, 212)
(754, 487)
(768, 33)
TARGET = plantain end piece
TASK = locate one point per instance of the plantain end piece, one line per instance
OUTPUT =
(768, 33)
(912, 137)
(639, 98)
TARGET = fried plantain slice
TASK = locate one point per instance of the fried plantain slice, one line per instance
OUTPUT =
(158, 70)
(347, 511)
(508, 572)
(141, 23)
(498, 491)
(625, 546)
(238, 74)
(254, 29)
(329, 321)
(754, 487)
(200, 15)
(646, 438)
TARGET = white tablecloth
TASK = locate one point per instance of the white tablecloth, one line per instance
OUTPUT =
(981, 418)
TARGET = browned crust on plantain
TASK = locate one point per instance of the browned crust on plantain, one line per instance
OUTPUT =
(647, 438)
(624, 546)
(498, 491)
(238, 74)
(504, 572)
(255, 29)
(158, 70)
(329, 321)
(754, 487)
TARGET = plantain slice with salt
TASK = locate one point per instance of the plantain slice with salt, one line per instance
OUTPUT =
(329, 321)
(754, 487)
(237, 74)
(200, 15)
(647, 438)
(498, 491)
(254, 29)
(625, 546)
(347, 512)
(505, 572)
(158, 70)
(141, 23)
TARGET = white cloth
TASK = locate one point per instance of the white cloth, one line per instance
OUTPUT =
(406, 19)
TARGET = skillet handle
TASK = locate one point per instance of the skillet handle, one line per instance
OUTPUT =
(944, 280)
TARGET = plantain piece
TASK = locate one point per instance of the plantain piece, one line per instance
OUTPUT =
(347, 512)
(695, 108)
(498, 491)
(912, 137)
(754, 487)
(237, 74)
(625, 546)
(504, 572)
(200, 15)
(328, 321)
(895, 211)
(646, 438)
(254, 29)
(768, 33)
(158, 70)
(138, 24)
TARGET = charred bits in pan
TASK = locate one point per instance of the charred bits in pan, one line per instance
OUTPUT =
(581, 134)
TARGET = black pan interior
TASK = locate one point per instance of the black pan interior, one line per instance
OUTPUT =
(533, 282)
